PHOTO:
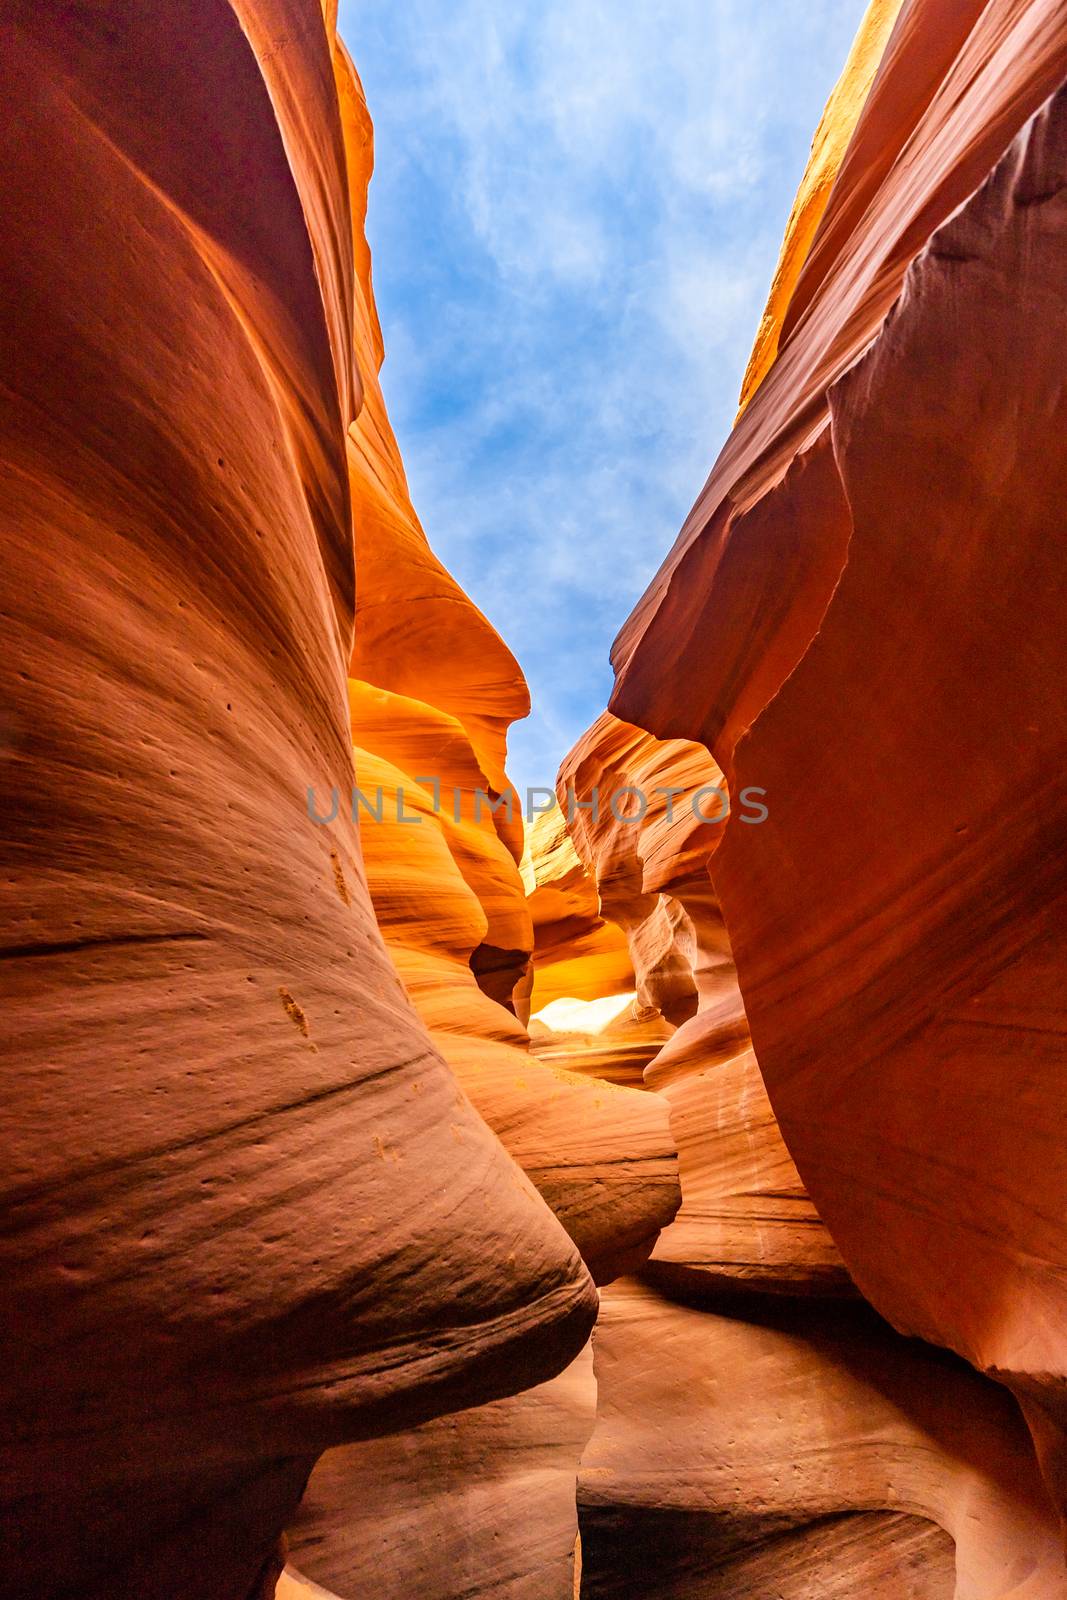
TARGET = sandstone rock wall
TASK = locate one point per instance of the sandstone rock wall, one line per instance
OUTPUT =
(778, 1448)
(282, 1155)
(249, 1213)
(432, 689)
(841, 608)
(861, 620)
(483, 1502)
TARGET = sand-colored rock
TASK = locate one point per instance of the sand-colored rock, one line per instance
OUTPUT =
(477, 1504)
(430, 703)
(764, 545)
(601, 1155)
(731, 1454)
(613, 1039)
(918, 1013)
(239, 1228)
(254, 1209)
(644, 818)
(746, 1220)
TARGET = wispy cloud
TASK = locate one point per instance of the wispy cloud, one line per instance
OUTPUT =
(575, 217)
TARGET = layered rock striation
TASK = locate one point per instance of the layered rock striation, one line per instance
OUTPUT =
(332, 1090)
(861, 624)
(249, 1212)
(837, 625)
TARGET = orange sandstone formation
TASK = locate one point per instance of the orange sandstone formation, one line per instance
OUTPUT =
(580, 955)
(923, 995)
(745, 1219)
(249, 1213)
(601, 1155)
(837, 623)
(862, 617)
(783, 1450)
(828, 149)
(275, 1126)
(430, 704)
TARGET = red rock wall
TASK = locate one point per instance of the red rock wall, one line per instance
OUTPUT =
(249, 1213)
(274, 1126)
(432, 689)
(782, 1448)
(896, 920)
(483, 1502)
(863, 617)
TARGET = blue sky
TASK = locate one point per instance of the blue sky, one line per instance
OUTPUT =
(575, 215)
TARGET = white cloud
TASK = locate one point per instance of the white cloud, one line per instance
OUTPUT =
(575, 220)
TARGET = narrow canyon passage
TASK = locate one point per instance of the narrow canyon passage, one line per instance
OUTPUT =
(423, 1187)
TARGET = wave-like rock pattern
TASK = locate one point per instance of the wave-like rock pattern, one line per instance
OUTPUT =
(477, 1504)
(918, 1011)
(580, 954)
(897, 920)
(483, 1502)
(746, 1219)
(274, 1111)
(248, 1211)
(862, 619)
(430, 705)
(733, 1456)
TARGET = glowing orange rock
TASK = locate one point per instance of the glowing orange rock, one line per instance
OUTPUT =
(828, 150)
(431, 702)
(240, 1226)
(909, 1024)
(863, 615)
(746, 1221)
(579, 954)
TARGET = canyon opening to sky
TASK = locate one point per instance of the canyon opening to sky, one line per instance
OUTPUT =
(533, 783)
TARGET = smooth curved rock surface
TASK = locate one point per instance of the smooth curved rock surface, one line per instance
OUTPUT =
(957, 82)
(480, 1504)
(617, 1048)
(644, 818)
(443, 887)
(829, 148)
(863, 615)
(442, 840)
(723, 1445)
(238, 1226)
(578, 953)
(917, 1013)
(746, 1221)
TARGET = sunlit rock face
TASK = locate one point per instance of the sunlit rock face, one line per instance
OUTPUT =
(646, 817)
(482, 1502)
(897, 922)
(580, 954)
(829, 149)
(861, 622)
(249, 1211)
(278, 1139)
(432, 689)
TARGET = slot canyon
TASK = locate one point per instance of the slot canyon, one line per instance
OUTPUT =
(417, 1190)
